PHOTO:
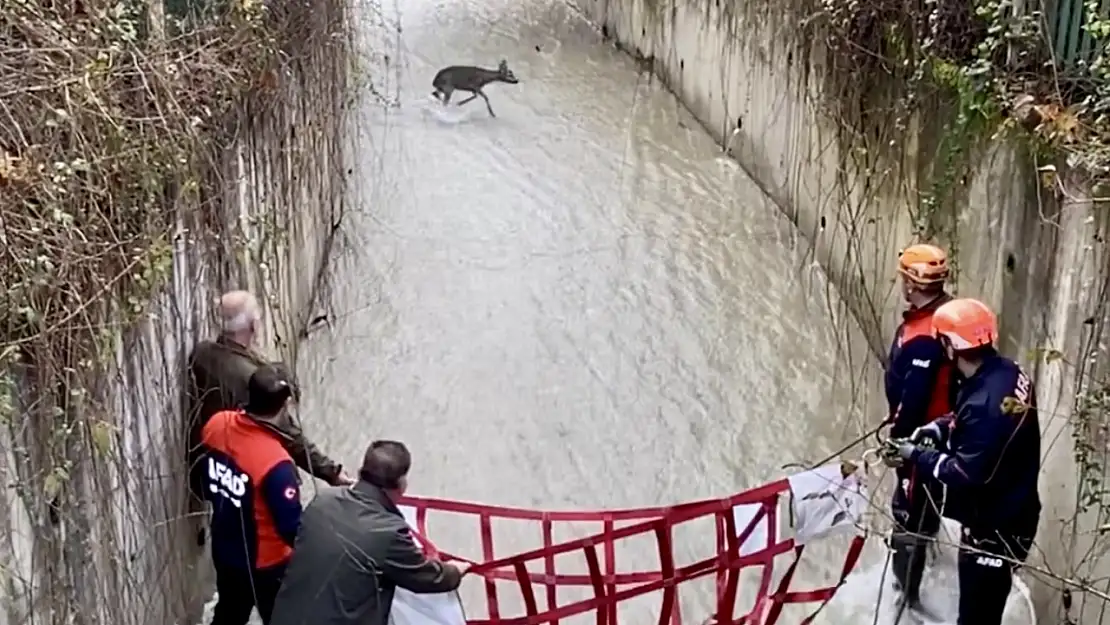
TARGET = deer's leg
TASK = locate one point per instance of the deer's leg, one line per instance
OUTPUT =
(446, 96)
(488, 107)
(472, 96)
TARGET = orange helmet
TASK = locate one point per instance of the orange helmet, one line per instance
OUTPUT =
(966, 323)
(923, 264)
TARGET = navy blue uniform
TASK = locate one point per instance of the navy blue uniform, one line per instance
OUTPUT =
(918, 376)
(256, 507)
(918, 390)
(990, 466)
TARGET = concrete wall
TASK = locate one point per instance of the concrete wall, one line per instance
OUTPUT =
(754, 79)
(122, 548)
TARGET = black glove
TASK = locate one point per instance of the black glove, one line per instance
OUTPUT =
(895, 452)
(930, 435)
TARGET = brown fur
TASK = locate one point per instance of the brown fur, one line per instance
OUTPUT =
(471, 79)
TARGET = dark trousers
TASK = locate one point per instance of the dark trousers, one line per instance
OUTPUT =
(244, 589)
(917, 510)
(986, 563)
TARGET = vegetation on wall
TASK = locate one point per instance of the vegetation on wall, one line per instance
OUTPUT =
(990, 66)
(1084, 586)
(115, 119)
(944, 77)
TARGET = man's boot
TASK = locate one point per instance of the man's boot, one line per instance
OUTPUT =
(908, 562)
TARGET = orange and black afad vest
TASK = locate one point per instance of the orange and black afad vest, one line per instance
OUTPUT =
(919, 378)
(252, 483)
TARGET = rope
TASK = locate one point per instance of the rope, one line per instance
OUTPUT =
(836, 454)
(882, 585)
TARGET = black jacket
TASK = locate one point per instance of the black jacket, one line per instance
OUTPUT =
(353, 550)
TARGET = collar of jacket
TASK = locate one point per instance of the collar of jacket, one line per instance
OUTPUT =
(990, 363)
(368, 492)
(927, 309)
(257, 423)
(244, 350)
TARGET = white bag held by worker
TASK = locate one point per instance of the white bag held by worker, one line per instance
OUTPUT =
(827, 501)
(443, 608)
(409, 608)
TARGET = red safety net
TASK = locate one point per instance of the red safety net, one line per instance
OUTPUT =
(610, 587)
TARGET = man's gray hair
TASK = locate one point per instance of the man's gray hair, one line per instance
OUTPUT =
(238, 311)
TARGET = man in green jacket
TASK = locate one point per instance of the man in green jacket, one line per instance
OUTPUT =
(219, 372)
(354, 550)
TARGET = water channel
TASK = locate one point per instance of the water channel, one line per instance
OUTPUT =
(576, 304)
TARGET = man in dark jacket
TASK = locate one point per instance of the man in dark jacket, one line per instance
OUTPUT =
(354, 549)
(918, 383)
(988, 455)
(217, 380)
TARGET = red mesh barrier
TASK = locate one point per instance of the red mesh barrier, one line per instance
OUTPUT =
(610, 587)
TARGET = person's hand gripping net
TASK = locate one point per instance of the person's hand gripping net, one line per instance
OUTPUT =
(895, 452)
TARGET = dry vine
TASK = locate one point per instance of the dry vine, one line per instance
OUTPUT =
(114, 120)
(105, 132)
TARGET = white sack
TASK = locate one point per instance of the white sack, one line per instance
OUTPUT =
(828, 500)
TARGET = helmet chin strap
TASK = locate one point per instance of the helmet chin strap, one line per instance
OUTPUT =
(918, 297)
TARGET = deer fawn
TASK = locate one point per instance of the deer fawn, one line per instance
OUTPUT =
(472, 79)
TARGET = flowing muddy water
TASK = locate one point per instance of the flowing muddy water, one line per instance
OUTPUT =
(577, 304)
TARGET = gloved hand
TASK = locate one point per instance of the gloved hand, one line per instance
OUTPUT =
(896, 451)
(929, 435)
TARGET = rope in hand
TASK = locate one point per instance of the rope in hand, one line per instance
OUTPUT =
(873, 432)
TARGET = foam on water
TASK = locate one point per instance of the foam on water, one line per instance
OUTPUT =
(868, 592)
(451, 114)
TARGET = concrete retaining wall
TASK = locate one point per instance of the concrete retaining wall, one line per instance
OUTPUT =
(122, 549)
(1036, 255)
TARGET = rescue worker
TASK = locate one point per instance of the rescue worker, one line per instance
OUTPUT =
(354, 549)
(253, 486)
(918, 389)
(218, 375)
(988, 455)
